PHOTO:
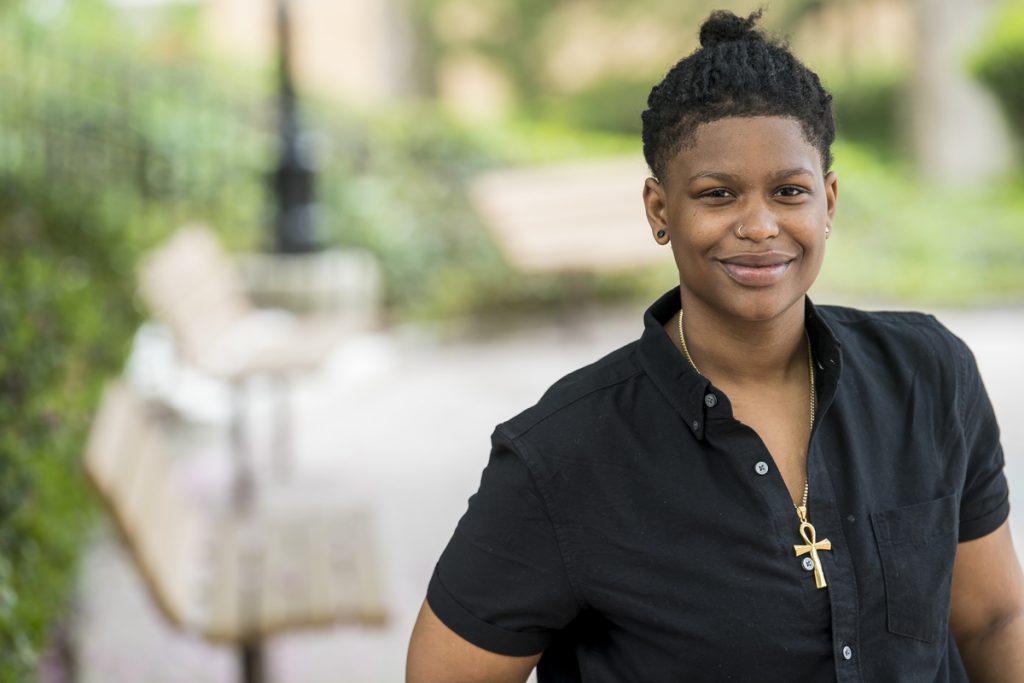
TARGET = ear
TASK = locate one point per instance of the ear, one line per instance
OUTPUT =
(655, 205)
(831, 196)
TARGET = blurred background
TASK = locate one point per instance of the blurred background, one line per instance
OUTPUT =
(451, 189)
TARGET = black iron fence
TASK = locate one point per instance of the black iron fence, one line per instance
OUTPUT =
(143, 134)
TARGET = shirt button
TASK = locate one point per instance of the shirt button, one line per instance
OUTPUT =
(847, 652)
(808, 564)
(695, 425)
(761, 467)
(710, 400)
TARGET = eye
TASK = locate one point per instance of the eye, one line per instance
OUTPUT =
(790, 191)
(717, 195)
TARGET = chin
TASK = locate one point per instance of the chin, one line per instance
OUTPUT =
(764, 306)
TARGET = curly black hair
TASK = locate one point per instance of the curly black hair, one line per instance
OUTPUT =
(737, 71)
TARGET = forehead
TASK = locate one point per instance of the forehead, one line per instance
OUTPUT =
(746, 144)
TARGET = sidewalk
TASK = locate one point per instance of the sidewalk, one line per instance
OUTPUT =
(401, 423)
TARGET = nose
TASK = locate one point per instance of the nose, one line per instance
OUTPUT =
(759, 223)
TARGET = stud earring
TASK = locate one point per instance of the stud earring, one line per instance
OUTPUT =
(661, 234)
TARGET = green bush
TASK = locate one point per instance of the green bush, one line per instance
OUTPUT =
(66, 318)
(612, 104)
(83, 189)
(397, 184)
(867, 108)
(1000, 61)
(902, 240)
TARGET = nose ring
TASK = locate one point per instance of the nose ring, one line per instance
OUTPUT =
(739, 232)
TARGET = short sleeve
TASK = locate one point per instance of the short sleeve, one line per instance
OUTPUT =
(984, 501)
(501, 582)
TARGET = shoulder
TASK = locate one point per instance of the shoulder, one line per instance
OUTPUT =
(575, 394)
(903, 347)
(912, 333)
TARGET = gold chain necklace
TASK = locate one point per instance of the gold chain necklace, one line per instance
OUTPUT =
(811, 544)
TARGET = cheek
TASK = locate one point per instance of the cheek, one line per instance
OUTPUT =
(814, 250)
(699, 230)
(812, 230)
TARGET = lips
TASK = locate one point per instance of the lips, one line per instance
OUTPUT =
(757, 270)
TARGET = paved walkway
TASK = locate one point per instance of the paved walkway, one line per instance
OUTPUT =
(401, 423)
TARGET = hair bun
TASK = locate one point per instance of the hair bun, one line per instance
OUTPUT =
(725, 27)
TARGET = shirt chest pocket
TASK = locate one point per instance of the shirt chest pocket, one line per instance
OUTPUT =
(917, 546)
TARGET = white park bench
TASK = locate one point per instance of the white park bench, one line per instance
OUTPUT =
(191, 286)
(583, 217)
(231, 575)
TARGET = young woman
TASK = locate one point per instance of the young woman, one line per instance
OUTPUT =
(758, 489)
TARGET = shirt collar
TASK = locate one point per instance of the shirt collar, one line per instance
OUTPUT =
(685, 389)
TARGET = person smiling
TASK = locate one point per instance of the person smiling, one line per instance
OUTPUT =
(758, 489)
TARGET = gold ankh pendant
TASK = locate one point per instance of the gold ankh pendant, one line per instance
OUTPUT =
(812, 546)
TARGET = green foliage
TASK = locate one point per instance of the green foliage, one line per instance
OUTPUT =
(394, 185)
(65, 320)
(612, 104)
(172, 140)
(166, 142)
(90, 174)
(397, 185)
(867, 108)
(528, 140)
(999, 63)
(902, 240)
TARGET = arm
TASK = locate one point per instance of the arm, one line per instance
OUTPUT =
(500, 591)
(439, 655)
(987, 614)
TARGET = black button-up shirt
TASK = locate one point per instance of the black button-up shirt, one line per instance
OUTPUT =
(631, 528)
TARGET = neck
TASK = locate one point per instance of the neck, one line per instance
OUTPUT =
(735, 351)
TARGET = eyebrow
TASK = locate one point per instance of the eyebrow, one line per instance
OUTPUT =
(777, 175)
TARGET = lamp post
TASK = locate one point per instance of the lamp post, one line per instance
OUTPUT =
(292, 182)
